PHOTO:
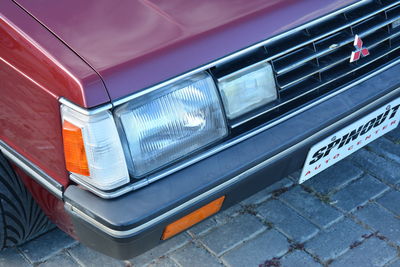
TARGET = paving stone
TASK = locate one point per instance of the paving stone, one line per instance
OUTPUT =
(396, 263)
(193, 254)
(381, 220)
(298, 258)
(391, 201)
(203, 227)
(11, 257)
(161, 250)
(59, 260)
(379, 167)
(358, 193)
(226, 215)
(266, 193)
(45, 246)
(287, 221)
(386, 149)
(163, 262)
(255, 252)
(336, 240)
(335, 178)
(372, 252)
(311, 207)
(394, 135)
(228, 235)
(88, 257)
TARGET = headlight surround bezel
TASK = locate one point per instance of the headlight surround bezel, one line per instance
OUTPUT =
(264, 90)
(146, 100)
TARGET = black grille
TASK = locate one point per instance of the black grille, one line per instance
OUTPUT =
(314, 61)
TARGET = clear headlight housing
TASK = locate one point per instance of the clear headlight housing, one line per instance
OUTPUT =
(171, 123)
(247, 89)
(93, 150)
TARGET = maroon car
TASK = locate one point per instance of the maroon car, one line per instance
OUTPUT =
(127, 122)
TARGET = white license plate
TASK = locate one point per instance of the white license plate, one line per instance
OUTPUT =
(350, 139)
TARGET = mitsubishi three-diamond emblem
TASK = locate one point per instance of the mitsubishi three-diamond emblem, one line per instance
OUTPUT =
(360, 50)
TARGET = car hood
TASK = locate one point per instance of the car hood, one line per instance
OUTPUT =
(136, 44)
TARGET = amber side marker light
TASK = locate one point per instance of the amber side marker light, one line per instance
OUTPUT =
(192, 218)
(74, 149)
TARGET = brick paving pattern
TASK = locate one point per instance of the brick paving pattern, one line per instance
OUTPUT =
(349, 215)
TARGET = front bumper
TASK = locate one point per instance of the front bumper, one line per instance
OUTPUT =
(133, 223)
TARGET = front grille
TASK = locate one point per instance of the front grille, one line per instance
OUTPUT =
(315, 60)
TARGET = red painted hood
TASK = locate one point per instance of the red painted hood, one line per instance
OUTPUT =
(134, 44)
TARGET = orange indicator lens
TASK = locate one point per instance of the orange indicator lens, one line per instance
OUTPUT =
(74, 149)
(192, 218)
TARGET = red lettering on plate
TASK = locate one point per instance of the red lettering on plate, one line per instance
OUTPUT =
(350, 148)
(307, 173)
(317, 167)
(336, 156)
(359, 143)
(393, 122)
(368, 137)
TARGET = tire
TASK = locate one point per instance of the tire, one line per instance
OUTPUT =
(21, 219)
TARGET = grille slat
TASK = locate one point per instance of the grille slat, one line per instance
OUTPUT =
(286, 63)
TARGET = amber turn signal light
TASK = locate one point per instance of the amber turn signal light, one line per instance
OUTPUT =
(192, 218)
(74, 149)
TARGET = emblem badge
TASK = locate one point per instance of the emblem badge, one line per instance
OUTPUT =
(361, 51)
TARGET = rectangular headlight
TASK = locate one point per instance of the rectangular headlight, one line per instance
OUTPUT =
(247, 89)
(170, 124)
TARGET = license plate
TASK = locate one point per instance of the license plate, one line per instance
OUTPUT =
(350, 139)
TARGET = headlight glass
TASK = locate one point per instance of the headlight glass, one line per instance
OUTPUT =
(247, 89)
(165, 127)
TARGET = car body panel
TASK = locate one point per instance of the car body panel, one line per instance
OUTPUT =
(136, 44)
(39, 55)
(35, 70)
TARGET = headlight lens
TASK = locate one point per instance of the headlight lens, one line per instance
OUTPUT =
(247, 89)
(179, 120)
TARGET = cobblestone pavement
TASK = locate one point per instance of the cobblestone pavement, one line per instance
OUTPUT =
(348, 215)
